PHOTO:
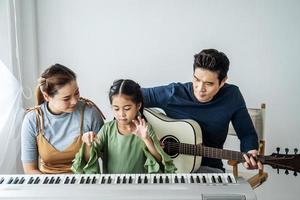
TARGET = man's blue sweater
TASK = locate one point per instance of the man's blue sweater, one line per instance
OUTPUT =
(179, 102)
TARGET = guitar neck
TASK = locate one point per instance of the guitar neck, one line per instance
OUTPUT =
(209, 152)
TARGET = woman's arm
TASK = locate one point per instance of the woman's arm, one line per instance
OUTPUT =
(31, 168)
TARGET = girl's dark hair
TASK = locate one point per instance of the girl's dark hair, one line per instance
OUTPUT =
(212, 60)
(129, 88)
(51, 80)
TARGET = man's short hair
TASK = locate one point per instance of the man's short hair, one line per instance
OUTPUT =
(212, 60)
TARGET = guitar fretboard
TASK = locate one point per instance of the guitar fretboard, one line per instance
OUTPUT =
(200, 150)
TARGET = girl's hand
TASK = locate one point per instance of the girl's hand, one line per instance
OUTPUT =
(140, 129)
(88, 137)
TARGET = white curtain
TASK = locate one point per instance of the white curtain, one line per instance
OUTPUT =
(11, 115)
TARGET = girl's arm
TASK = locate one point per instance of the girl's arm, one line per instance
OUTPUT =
(141, 130)
(149, 143)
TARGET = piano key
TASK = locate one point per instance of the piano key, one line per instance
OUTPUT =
(213, 179)
(139, 179)
(109, 180)
(82, 180)
(37, 180)
(161, 179)
(58, 179)
(73, 180)
(130, 179)
(15, 180)
(94, 180)
(22, 180)
(10, 180)
(154, 179)
(167, 180)
(220, 179)
(1, 180)
(67, 180)
(192, 179)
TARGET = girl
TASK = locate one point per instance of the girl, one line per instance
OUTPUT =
(127, 144)
(52, 130)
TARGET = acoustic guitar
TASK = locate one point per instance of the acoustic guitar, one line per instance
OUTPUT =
(182, 139)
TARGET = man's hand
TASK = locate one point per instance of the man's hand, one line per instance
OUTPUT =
(251, 163)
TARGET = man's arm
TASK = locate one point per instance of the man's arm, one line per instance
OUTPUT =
(157, 96)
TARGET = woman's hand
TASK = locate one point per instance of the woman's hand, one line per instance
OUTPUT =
(88, 137)
(141, 128)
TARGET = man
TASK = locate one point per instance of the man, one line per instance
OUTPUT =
(213, 103)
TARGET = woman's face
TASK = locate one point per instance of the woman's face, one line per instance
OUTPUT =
(124, 109)
(65, 100)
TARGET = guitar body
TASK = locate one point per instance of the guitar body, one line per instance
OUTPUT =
(177, 131)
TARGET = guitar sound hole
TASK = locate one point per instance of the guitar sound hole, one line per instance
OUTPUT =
(171, 145)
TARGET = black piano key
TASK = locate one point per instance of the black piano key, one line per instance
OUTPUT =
(192, 179)
(88, 180)
(46, 180)
(94, 180)
(103, 180)
(204, 179)
(139, 179)
(118, 180)
(1, 180)
(146, 179)
(130, 179)
(229, 179)
(198, 179)
(161, 180)
(109, 180)
(15, 181)
(167, 179)
(73, 180)
(37, 180)
(213, 179)
(67, 180)
(176, 179)
(52, 180)
(57, 180)
(182, 179)
(124, 179)
(154, 179)
(10, 180)
(31, 179)
(220, 179)
(22, 180)
(82, 180)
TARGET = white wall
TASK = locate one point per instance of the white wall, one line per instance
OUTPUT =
(153, 42)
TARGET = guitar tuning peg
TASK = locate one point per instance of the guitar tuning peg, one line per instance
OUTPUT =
(277, 149)
(286, 172)
(286, 150)
(296, 150)
(295, 173)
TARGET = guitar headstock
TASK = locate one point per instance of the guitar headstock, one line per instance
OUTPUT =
(284, 161)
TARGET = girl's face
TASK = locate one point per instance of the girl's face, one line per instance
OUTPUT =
(65, 100)
(124, 109)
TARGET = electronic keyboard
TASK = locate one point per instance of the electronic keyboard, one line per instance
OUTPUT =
(126, 186)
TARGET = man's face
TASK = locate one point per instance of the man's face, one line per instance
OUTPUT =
(206, 84)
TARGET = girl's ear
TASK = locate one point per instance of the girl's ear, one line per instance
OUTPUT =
(139, 105)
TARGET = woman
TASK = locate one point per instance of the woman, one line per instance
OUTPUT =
(52, 130)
